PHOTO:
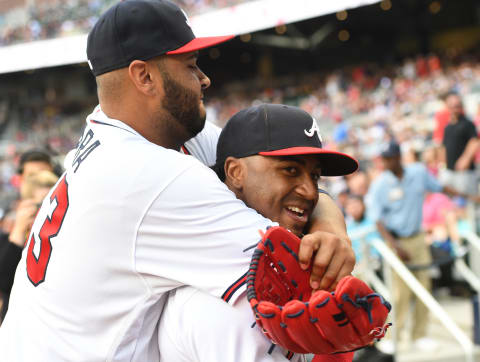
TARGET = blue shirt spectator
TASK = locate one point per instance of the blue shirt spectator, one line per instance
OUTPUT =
(360, 228)
(398, 202)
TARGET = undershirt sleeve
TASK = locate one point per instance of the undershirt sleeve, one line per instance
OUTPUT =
(204, 146)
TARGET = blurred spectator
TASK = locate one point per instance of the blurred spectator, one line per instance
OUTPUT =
(358, 183)
(440, 225)
(395, 203)
(34, 188)
(442, 117)
(460, 143)
(30, 162)
(431, 159)
(358, 223)
(62, 18)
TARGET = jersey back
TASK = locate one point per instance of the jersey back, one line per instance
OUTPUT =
(126, 223)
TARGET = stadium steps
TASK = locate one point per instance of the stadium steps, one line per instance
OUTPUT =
(448, 350)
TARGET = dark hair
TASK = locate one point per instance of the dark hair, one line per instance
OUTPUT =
(450, 93)
(32, 156)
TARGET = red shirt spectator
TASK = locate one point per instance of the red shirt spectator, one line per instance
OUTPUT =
(441, 120)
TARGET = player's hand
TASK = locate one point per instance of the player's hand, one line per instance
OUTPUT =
(332, 258)
(24, 217)
(303, 321)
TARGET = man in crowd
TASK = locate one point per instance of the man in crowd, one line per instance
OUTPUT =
(21, 218)
(395, 201)
(460, 143)
(132, 218)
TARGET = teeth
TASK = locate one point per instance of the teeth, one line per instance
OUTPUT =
(295, 209)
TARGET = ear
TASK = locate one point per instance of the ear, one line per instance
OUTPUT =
(141, 75)
(235, 172)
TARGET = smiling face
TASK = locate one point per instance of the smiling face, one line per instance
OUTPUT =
(283, 189)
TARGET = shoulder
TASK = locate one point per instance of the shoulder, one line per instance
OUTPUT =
(416, 167)
(380, 181)
(416, 170)
(204, 145)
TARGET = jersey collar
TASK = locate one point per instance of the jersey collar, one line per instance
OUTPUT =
(98, 117)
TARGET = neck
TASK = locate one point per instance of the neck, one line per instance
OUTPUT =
(454, 118)
(157, 126)
(398, 171)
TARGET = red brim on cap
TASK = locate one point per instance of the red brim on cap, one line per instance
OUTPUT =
(333, 163)
(201, 43)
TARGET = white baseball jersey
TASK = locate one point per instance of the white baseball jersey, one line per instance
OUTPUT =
(127, 222)
(197, 327)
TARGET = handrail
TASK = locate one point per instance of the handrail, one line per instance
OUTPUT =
(388, 256)
(472, 238)
(391, 259)
(467, 273)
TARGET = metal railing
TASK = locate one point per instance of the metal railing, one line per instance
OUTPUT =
(390, 259)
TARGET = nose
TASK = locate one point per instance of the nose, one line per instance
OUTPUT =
(307, 189)
(204, 80)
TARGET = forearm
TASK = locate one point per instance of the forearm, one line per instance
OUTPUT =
(328, 217)
(470, 149)
(386, 235)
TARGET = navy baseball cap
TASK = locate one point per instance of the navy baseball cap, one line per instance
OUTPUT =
(392, 149)
(141, 30)
(278, 130)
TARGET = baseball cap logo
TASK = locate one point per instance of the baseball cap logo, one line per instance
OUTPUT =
(186, 18)
(313, 129)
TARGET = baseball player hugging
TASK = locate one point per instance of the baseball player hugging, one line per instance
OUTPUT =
(270, 158)
(132, 218)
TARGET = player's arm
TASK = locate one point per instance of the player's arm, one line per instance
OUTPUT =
(197, 233)
(335, 257)
(196, 326)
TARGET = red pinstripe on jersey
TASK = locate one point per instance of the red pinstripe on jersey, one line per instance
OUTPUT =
(185, 151)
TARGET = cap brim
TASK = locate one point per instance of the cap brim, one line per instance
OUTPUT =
(201, 43)
(333, 163)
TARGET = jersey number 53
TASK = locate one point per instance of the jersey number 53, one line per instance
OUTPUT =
(46, 226)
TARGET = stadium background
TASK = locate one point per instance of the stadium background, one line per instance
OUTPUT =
(367, 70)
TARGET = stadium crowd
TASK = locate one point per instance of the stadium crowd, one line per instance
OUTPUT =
(53, 19)
(359, 110)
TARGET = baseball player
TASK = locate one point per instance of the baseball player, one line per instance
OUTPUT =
(267, 160)
(132, 218)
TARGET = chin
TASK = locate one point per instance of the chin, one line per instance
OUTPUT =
(296, 230)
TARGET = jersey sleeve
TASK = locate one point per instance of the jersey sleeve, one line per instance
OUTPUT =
(204, 146)
(196, 326)
(195, 234)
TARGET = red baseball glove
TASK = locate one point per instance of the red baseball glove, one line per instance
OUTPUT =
(290, 315)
